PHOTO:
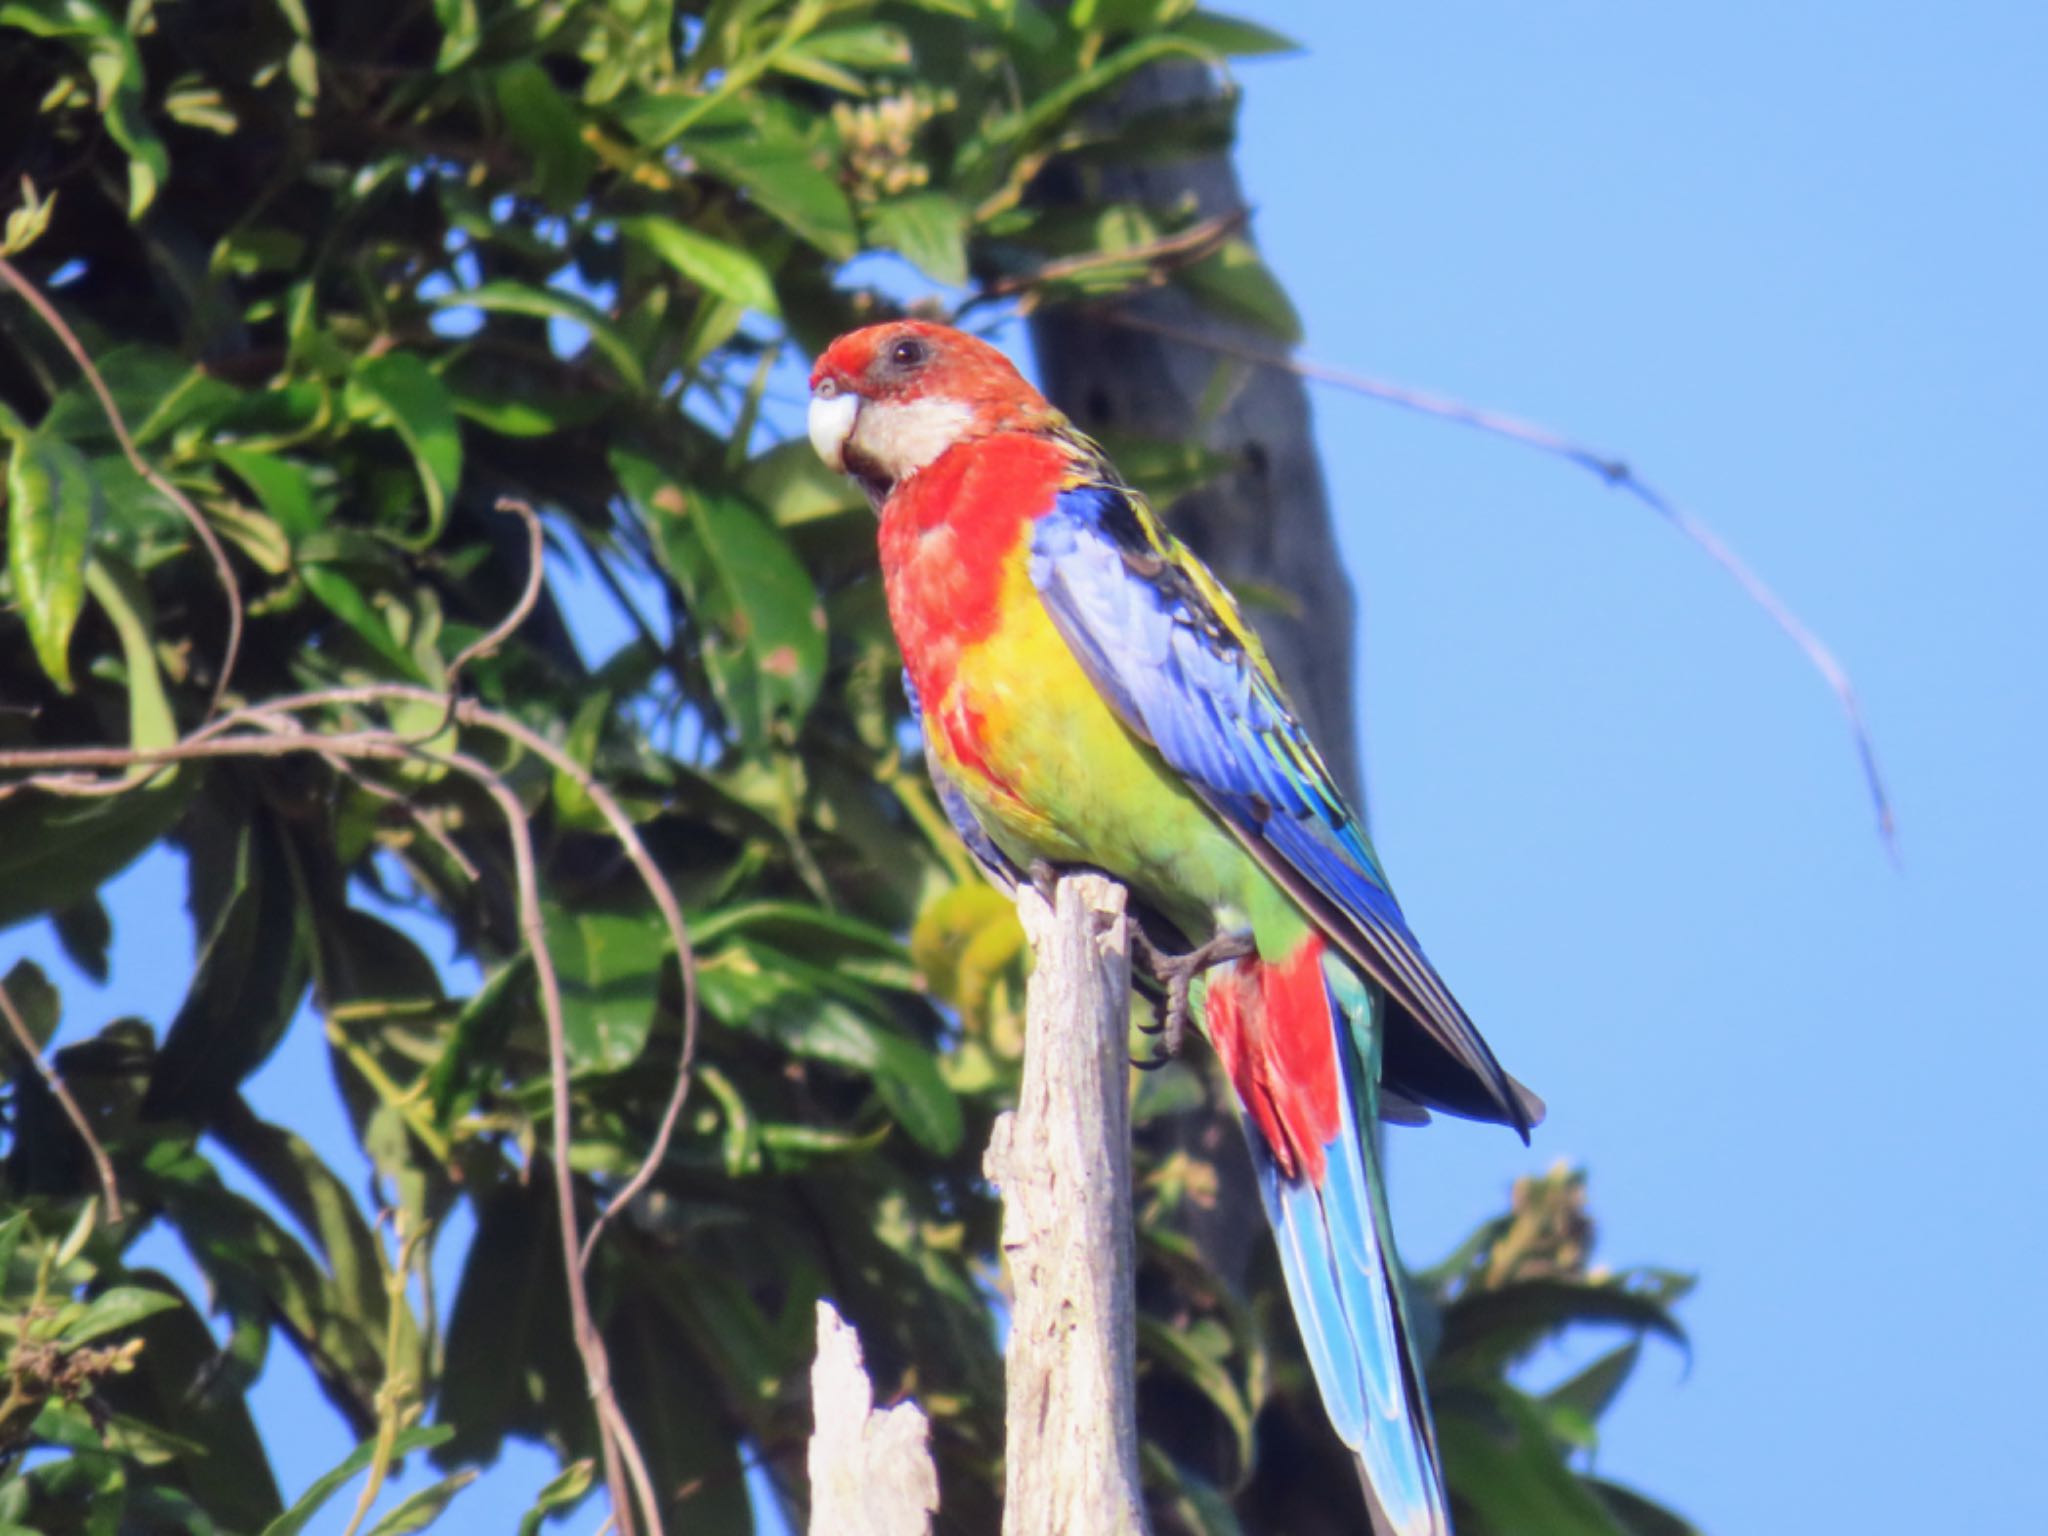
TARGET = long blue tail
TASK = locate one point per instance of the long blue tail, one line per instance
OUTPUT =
(1318, 1171)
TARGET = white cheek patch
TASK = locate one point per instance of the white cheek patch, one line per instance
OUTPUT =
(901, 439)
(831, 424)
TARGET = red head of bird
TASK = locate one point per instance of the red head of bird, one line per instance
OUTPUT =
(889, 399)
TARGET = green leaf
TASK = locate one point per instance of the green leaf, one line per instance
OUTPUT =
(609, 964)
(480, 1031)
(251, 974)
(561, 1492)
(929, 229)
(909, 1082)
(183, 1379)
(283, 487)
(1233, 37)
(808, 1011)
(56, 850)
(324, 1487)
(1236, 284)
(120, 593)
(511, 1305)
(781, 176)
(461, 32)
(318, 1201)
(36, 1000)
(1178, 1349)
(87, 933)
(1499, 1460)
(874, 47)
(399, 391)
(51, 505)
(81, 1232)
(683, 1434)
(722, 270)
(505, 297)
(792, 485)
(422, 1509)
(1592, 1390)
(1637, 1515)
(340, 593)
(761, 629)
(114, 63)
(543, 123)
(112, 1310)
(1050, 110)
(1488, 1327)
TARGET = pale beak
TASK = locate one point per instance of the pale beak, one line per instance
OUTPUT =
(831, 422)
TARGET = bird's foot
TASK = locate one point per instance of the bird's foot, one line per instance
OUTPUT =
(1177, 973)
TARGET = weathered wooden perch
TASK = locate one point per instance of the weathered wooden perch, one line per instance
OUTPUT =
(871, 1470)
(1063, 1163)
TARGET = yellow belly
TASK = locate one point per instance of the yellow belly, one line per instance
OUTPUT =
(1067, 782)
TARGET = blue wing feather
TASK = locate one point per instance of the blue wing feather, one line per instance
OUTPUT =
(1166, 646)
(1337, 1256)
(996, 864)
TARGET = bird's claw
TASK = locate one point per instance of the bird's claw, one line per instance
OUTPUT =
(1177, 973)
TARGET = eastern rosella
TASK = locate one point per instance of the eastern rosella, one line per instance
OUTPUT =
(1090, 695)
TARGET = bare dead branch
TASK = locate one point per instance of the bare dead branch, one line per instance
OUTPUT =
(871, 1469)
(102, 1165)
(203, 530)
(1616, 473)
(1160, 258)
(1063, 1162)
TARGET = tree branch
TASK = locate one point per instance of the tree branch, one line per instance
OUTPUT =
(1616, 473)
(102, 1166)
(871, 1469)
(1063, 1162)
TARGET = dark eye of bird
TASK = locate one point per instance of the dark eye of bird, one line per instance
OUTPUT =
(907, 353)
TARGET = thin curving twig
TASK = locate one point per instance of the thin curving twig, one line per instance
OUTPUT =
(47, 313)
(1616, 473)
(102, 1165)
(469, 712)
(615, 1440)
(1160, 257)
(536, 575)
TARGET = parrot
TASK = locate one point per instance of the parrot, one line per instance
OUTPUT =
(1090, 696)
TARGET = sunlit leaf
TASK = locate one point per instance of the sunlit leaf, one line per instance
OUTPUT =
(419, 1510)
(51, 504)
(324, 1487)
(761, 625)
(929, 229)
(717, 267)
(122, 1307)
(399, 391)
(610, 967)
(506, 297)
(785, 180)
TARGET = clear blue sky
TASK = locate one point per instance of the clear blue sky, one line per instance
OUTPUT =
(1787, 260)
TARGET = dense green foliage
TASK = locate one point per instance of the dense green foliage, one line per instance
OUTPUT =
(352, 273)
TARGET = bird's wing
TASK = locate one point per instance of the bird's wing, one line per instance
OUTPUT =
(1000, 868)
(1167, 647)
